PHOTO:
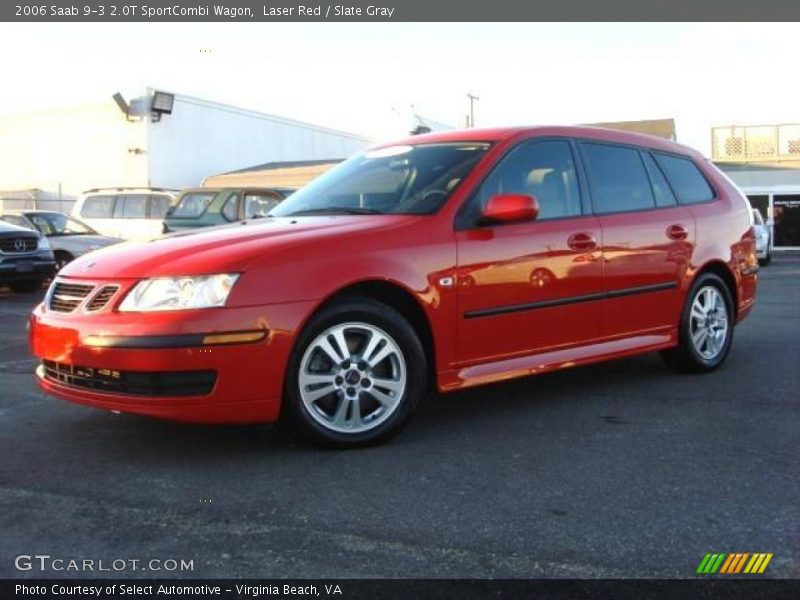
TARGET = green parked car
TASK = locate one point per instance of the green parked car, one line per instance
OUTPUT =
(203, 207)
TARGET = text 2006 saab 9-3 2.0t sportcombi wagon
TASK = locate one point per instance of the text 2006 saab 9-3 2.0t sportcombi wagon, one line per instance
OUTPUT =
(450, 259)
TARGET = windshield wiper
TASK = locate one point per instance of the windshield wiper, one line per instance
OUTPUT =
(326, 210)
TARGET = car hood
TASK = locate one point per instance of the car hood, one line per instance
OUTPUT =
(223, 249)
(83, 240)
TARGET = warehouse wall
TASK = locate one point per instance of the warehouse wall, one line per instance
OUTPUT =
(202, 138)
(71, 150)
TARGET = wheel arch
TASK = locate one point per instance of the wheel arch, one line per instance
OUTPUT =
(398, 297)
(722, 270)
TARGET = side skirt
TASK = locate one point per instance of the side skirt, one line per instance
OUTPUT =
(553, 360)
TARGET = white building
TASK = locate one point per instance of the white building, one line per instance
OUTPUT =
(764, 161)
(63, 152)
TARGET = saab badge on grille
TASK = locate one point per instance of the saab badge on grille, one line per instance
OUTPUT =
(19, 245)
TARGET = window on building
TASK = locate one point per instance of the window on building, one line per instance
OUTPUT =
(686, 179)
(761, 203)
(617, 178)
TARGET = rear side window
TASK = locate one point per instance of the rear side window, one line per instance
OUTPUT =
(661, 189)
(686, 179)
(258, 205)
(98, 207)
(159, 205)
(131, 206)
(617, 178)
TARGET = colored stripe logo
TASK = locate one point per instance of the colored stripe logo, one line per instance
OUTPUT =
(736, 562)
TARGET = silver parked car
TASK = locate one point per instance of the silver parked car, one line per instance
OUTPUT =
(69, 238)
(763, 238)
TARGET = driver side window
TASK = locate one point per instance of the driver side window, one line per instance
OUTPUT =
(543, 169)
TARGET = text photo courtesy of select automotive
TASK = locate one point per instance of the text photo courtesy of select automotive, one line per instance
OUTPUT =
(396, 330)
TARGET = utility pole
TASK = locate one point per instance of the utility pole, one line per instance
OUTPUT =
(472, 98)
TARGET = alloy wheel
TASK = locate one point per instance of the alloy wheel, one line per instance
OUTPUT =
(708, 322)
(352, 377)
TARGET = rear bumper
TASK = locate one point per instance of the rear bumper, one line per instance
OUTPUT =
(248, 382)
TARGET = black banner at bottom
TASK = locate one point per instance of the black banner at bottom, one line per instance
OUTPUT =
(400, 589)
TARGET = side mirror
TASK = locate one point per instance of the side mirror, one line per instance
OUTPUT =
(510, 208)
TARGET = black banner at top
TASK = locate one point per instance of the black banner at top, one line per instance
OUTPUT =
(397, 10)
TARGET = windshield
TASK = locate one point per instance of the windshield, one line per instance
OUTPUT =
(58, 224)
(394, 180)
(193, 204)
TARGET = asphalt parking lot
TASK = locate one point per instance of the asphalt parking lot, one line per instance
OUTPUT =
(622, 469)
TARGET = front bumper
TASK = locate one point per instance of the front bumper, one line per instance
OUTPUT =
(248, 377)
(27, 266)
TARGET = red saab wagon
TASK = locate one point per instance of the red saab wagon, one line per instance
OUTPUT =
(454, 259)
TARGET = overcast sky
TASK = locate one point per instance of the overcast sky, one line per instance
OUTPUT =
(351, 76)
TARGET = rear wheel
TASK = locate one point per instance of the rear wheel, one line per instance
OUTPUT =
(706, 327)
(356, 374)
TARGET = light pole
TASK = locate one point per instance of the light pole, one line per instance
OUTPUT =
(472, 98)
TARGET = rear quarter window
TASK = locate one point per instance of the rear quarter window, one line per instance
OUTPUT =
(98, 207)
(686, 179)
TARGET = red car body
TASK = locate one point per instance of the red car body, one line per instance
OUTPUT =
(602, 286)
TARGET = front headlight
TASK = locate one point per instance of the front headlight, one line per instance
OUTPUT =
(179, 293)
(44, 243)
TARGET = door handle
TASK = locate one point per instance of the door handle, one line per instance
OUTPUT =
(582, 242)
(677, 232)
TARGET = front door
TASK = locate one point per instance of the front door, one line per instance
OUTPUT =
(526, 287)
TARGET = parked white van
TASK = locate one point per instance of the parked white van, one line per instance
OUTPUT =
(126, 213)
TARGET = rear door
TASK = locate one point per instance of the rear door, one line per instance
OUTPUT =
(647, 238)
(130, 215)
(525, 287)
(97, 212)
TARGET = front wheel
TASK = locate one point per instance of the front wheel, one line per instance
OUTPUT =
(357, 372)
(706, 327)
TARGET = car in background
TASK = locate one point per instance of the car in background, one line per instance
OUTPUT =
(763, 238)
(204, 207)
(126, 213)
(69, 238)
(26, 260)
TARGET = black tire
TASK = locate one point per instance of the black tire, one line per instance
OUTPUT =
(27, 285)
(376, 314)
(62, 259)
(685, 357)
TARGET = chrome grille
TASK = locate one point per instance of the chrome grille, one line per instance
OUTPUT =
(18, 244)
(65, 297)
(101, 298)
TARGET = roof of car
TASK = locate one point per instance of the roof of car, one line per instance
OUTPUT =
(499, 134)
(130, 189)
(216, 190)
